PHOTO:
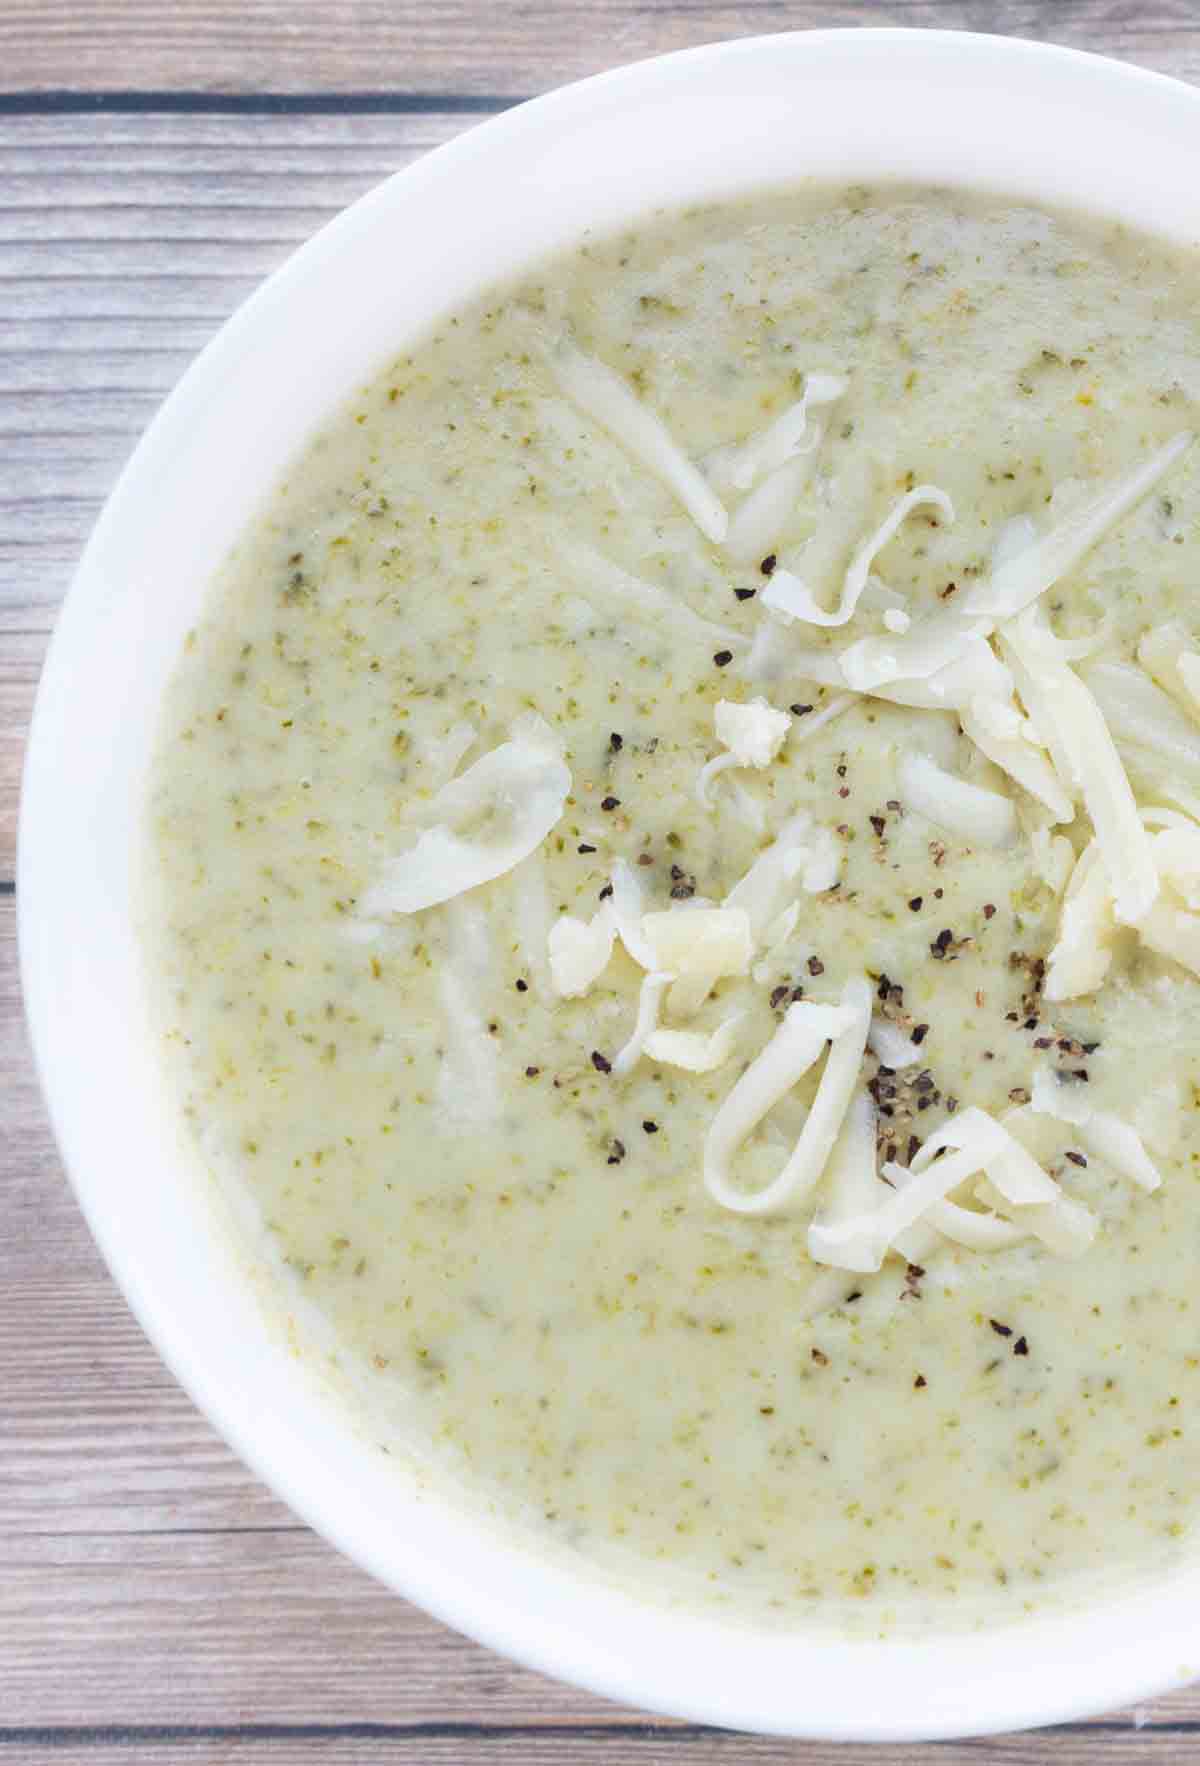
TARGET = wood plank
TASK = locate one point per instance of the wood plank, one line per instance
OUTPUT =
(231, 1626)
(254, 46)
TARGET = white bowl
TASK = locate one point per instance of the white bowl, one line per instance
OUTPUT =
(1036, 122)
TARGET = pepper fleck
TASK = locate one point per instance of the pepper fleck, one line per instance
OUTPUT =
(768, 564)
(815, 966)
(1076, 1158)
(601, 1062)
(919, 1033)
(585, 848)
(1020, 1347)
(1001, 1330)
(799, 710)
(920, 1381)
(650, 1127)
(610, 803)
(989, 909)
(722, 657)
(915, 903)
(745, 594)
(522, 986)
(616, 742)
(618, 1152)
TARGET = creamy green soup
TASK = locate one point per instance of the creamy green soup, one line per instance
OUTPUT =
(430, 806)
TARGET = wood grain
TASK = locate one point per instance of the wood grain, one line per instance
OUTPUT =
(513, 49)
(156, 1603)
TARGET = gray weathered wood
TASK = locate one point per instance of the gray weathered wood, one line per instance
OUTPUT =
(459, 46)
(155, 1602)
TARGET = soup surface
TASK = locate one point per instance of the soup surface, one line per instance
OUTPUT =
(534, 557)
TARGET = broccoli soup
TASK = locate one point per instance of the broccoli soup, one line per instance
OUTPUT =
(675, 877)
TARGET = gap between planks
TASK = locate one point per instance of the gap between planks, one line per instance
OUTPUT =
(586, 1743)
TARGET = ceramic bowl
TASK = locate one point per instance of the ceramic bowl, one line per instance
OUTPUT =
(862, 106)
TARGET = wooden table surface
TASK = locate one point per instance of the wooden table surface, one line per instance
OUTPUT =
(157, 159)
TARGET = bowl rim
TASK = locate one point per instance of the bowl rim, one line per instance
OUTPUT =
(538, 1640)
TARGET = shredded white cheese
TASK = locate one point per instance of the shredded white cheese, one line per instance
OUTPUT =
(824, 866)
(1105, 1136)
(606, 398)
(1082, 953)
(647, 602)
(935, 643)
(816, 720)
(968, 1143)
(853, 1188)
(741, 467)
(986, 722)
(625, 907)
(517, 790)
(1168, 653)
(693, 1050)
(1052, 857)
(973, 1230)
(1085, 758)
(976, 814)
(1064, 1226)
(1024, 575)
(762, 894)
(893, 1048)
(790, 597)
(649, 1001)
(1172, 926)
(579, 952)
(1139, 712)
(759, 520)
(795, 1047)
(752, 734)
(780, 928)
(747, 807)
(699, 945)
